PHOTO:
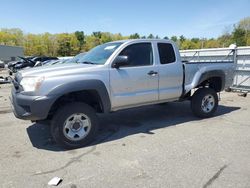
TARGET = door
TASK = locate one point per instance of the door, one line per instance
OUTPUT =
(137, 82)
(170, 73)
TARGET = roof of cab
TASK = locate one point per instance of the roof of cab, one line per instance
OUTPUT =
(146, 40)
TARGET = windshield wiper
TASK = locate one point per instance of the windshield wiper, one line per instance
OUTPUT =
(88, 62)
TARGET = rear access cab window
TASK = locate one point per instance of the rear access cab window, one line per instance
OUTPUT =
(166, 53)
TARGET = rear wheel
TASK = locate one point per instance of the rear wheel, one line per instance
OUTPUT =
(204, 102)
(74, 125)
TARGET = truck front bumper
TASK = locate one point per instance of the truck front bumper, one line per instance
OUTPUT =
(30, 107)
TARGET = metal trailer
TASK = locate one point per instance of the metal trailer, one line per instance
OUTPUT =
(242, 72)
(238, 55)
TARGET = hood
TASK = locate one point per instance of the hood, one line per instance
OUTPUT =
(13, 63)
(58, 70)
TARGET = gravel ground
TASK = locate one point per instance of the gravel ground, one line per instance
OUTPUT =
(153, 146)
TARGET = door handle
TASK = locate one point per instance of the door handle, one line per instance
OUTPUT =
(152, 73)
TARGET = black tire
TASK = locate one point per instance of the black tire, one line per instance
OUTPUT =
(58, 121)
(228, 89)
(196, 102)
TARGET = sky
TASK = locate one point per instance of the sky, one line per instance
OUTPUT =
(192, 18)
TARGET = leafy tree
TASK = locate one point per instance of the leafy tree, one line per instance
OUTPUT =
(195, 40)
(64, 47)
(91, 42)
(97, 34)
(157, 37)
(225, 40)
(182, 38)
(117, 36)
(188, 44)
(106, 37)
(244, 24)
(151, 36)
(81, 38)
(212, 43)
(239, 36)
(69, 44)
(134, 36)
(174, 38)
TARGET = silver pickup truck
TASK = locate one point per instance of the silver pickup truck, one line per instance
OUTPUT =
(115, 76)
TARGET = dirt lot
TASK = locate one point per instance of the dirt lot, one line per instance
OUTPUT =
(153, 146)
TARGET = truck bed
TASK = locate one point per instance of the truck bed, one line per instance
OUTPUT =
(201, 60)
(193, 71)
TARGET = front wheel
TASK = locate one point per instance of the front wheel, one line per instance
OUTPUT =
(74, 125)
(204, 102)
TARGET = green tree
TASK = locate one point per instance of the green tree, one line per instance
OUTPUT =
(188, 44)
(195, 40)
(157, 37)
(97, 34)
(174, 38)
(151, 36)
(91, 42)
(117, 36)
(64, 46)
(182, 38)
(244, 24)
(106, 37)
(239, 36)
(134, 36)
(225, 40)
(81, 38)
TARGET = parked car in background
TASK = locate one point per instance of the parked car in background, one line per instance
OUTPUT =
(25, 63)
(40, 63)
(29, 62)
(20, 60)
(36, 60)
(75, 59)
(111, 77)
(2, 64)
(43, 58)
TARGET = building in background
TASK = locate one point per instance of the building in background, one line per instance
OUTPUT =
(10, 53)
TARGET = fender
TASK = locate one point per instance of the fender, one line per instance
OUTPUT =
(214, 73)
(81, 85)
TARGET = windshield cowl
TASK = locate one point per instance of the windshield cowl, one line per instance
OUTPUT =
(88, 62)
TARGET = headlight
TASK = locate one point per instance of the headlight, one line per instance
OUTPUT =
(31, 83)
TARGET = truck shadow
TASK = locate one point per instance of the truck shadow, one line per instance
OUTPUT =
(124, 123)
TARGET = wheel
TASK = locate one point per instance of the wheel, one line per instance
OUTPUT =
(228, 89)
(74, 125)
(204, 102)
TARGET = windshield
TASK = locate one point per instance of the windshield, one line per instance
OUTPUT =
(76, 58)
(19, 59)
(22, 59)
(99, 54)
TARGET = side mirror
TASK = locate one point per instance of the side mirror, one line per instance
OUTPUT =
(120, 61)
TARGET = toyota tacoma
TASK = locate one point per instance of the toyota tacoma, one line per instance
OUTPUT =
(115, 76)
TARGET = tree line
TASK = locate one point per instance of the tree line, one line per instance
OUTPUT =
(70, 44)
